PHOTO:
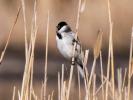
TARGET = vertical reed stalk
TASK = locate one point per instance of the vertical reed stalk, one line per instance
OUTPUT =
(25, 27)
(9, 36)
(79, 85)
(29, 58)
(101, 64)
(14, 92)
(69, 84)
(130, 64)
(110, 55)
(111, 47)
(46, 57)
(62, 82)
(59, 88)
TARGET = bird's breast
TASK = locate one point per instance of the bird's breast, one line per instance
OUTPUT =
(65, 47)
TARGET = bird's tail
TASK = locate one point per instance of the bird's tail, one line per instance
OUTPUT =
(81, 71)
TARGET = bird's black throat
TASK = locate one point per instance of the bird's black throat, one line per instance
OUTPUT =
(59, 35)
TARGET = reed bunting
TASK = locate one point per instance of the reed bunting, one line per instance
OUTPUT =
(65, 39)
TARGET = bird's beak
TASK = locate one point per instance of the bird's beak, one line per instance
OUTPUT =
(57, 29)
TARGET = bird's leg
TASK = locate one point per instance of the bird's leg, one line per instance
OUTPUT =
(73, 61)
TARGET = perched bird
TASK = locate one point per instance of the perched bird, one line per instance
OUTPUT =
(65, 39)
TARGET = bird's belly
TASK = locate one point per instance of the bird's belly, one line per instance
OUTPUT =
(66, 50)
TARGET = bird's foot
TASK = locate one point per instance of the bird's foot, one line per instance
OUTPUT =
(73, 62)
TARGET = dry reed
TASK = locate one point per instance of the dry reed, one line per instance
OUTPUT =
(107, 89)
(46, 57)
(9, 36)
(110, 55)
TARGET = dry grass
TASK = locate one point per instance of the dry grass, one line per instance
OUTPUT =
(107, 89)
(9, 36)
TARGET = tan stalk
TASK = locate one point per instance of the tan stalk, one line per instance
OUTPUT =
(110, 55)
(82, 8)
(69, 84)
(78, 16)
(62, 81)
(26, 93)
(25, 26)
(9, 36)
(52, 95)
(64, 91)
(111, 43)
(125, 92)
(119, 72)
(101, 64)
(94, 86)
(85, 64)
(97, 49)
(14, 92)
(27, 55)
(49, 97)
(124, 79)
(19, 97)
(31, 81)
(86, 73)
(77, 26)
(98, 90)
(79, 87)
(129, 69)
(107, 83)
(132, 67)
(27, 79)
(98, 44)
(34, 95)
(59, 88)
(33, 36)
(28, 64)
(46, 57)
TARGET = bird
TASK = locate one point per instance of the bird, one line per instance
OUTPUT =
(65, 39)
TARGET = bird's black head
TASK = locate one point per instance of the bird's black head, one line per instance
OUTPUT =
(60, 25)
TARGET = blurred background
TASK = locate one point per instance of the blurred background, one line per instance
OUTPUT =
(94, 17)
